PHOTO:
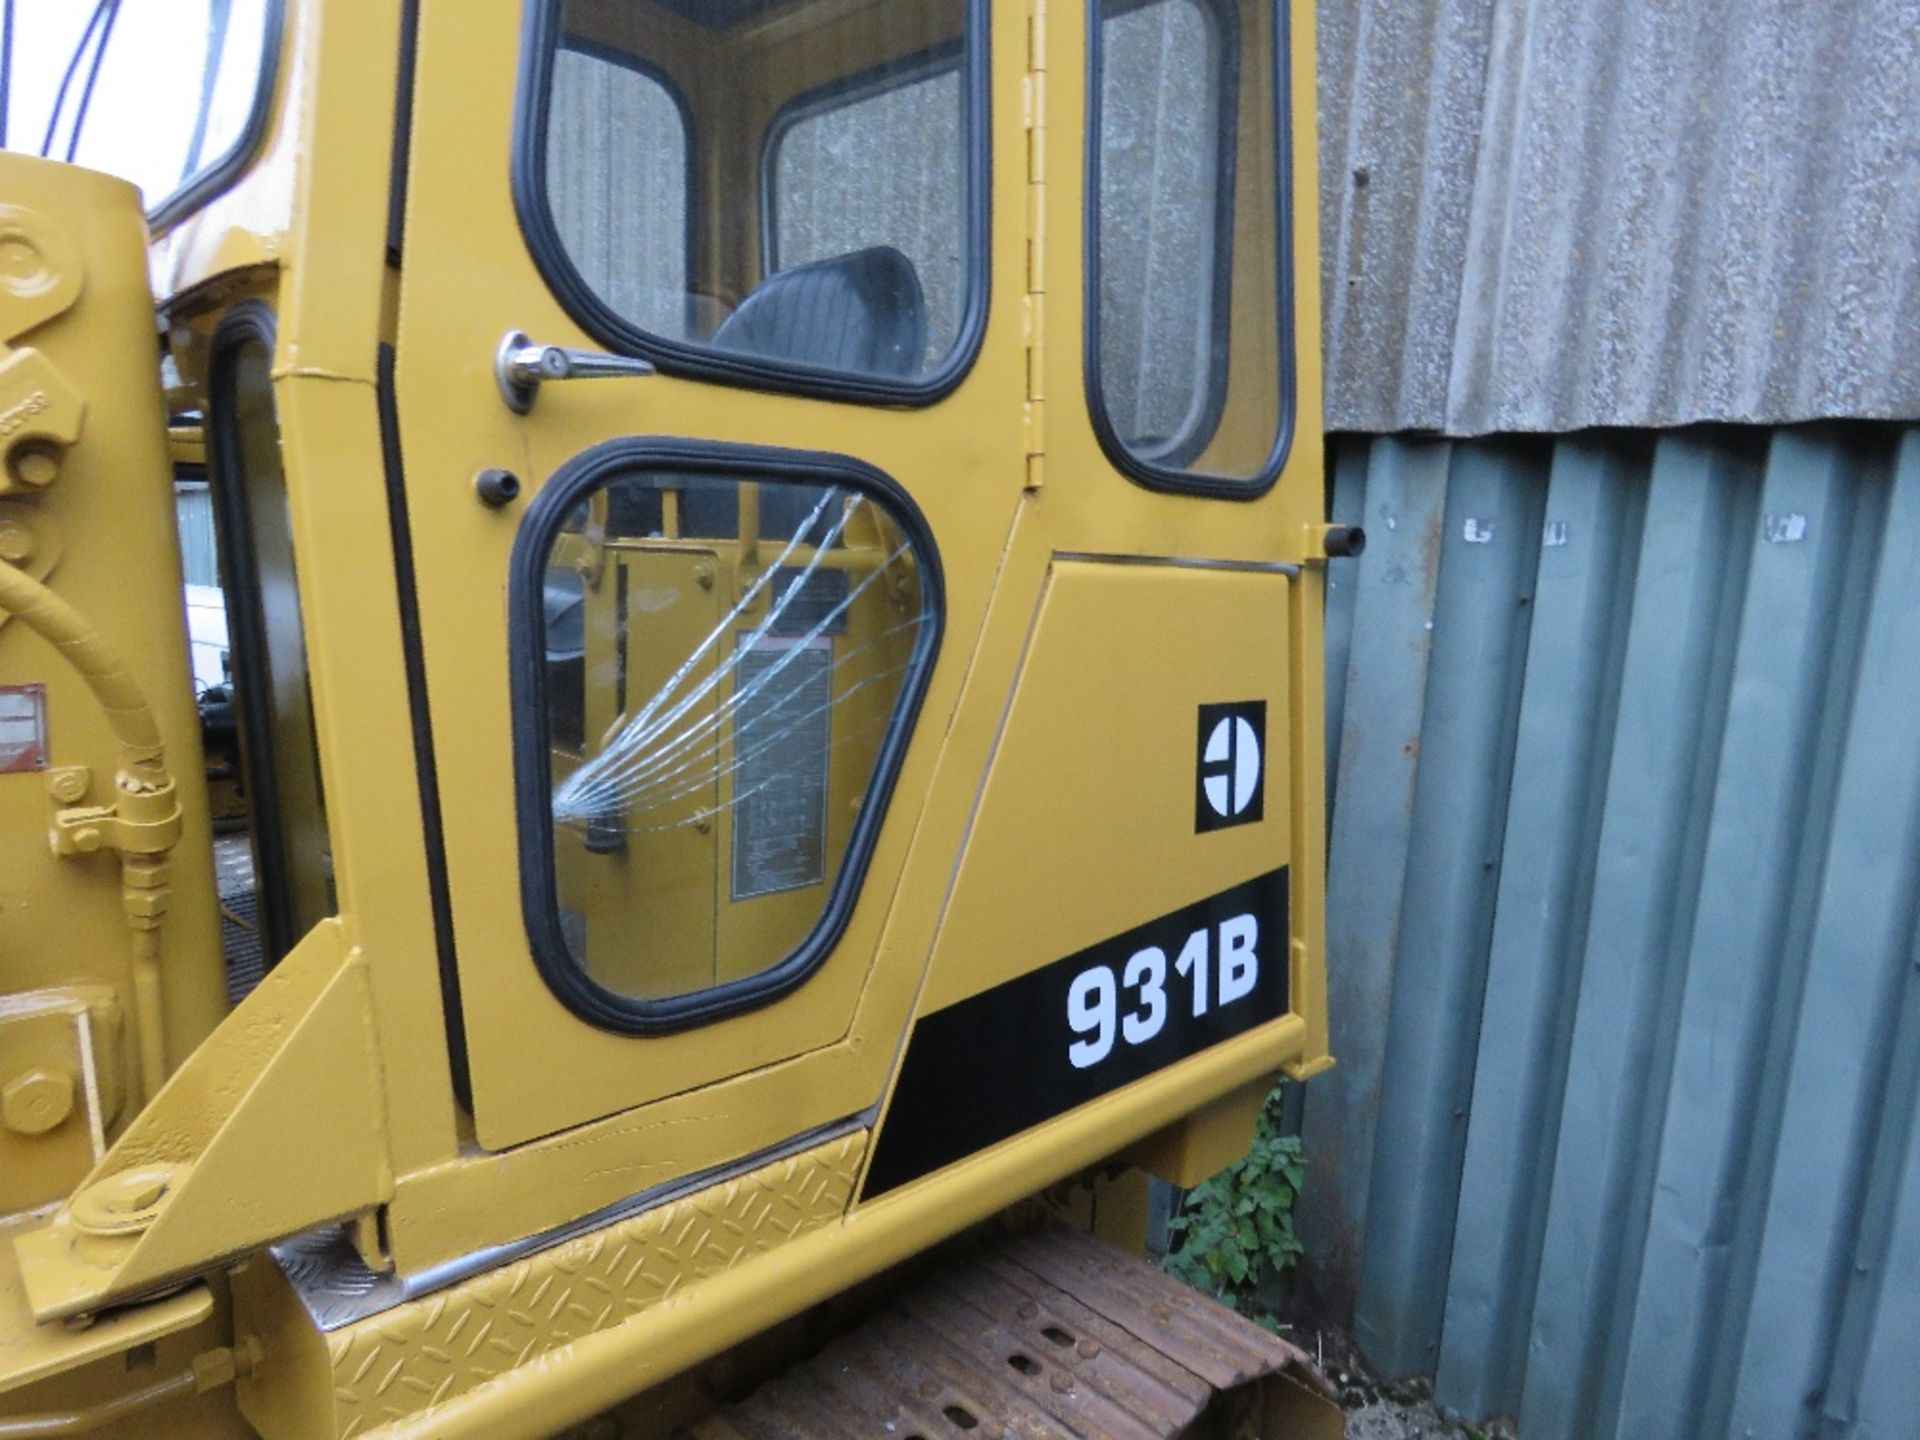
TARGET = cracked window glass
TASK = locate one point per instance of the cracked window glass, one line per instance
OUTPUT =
(725, 661)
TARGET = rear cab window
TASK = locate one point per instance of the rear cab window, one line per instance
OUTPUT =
(834, 182)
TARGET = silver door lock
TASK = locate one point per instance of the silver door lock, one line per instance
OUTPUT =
(522, 367)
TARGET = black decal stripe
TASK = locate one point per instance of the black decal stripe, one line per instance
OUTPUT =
(995, 1064)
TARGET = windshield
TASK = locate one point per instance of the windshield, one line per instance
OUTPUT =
(169, 94)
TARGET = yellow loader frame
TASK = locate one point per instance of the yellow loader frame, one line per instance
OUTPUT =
(403, 1098)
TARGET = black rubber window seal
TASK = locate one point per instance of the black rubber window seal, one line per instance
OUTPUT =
(1165, 478)
(249, 323)
(581, 993)
(591, 312)
(214, 179)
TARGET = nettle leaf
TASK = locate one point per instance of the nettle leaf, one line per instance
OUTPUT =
(1238, 1227)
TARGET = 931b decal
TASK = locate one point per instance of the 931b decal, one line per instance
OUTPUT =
(1011, 1057)
(1093, 1008)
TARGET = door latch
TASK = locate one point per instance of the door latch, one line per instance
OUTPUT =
(522, 367)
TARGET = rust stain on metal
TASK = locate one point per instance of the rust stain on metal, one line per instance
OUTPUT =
(1029, 1337)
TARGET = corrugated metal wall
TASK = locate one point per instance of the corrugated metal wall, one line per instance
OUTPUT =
(1542, 215)
(1624, 878)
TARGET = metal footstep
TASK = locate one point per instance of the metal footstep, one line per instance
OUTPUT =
(1047, 1334)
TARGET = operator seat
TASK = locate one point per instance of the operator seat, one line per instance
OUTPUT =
(862, 312)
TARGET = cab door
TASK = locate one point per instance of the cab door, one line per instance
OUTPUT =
(685, 633)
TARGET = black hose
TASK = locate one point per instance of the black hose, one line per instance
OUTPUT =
(86, 95)
(218, 16)
(6, 66)
(66, 80)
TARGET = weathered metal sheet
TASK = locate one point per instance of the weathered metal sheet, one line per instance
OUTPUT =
(1623, 888)
(1544, 215)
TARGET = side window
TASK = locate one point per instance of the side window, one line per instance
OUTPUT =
(1187, 384)
(715, 671)
(827, 153)
(617, 147)
(791, 202)
(280, 763)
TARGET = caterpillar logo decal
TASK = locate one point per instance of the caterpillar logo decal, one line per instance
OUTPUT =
(1007, 1059)
(1231, 778)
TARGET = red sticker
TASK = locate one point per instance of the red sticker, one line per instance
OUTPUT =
(23, 728)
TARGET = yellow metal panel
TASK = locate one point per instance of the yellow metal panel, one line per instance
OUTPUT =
(1086, 826)
(1204, 1143)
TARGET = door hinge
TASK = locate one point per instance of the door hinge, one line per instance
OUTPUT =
(1034, 94)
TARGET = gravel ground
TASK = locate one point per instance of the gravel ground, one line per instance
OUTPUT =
(1384, 1420)
(1378, 1410)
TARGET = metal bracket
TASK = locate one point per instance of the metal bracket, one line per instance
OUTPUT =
(140, 822)
(182, 1191)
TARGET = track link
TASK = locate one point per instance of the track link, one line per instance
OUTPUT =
(1040, 1336)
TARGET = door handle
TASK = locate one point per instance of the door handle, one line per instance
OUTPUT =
(522, 367)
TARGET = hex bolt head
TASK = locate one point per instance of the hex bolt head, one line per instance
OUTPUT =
(36, 1101)
(69, 784)
(136, 1193)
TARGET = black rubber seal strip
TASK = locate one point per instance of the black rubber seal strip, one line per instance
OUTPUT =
(1160, 477)
(580, 992)
(677, 357)
(402, 131)
(221, 174)
(250, 322)
(439, 893)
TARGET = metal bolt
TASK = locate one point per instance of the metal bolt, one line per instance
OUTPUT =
(33, 465)
(703, 575)
(16, 542)
(133, 1193)
(69, 784)
(86, 840)
(36, 1100)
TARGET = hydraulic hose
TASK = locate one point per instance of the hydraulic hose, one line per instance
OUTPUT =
(142, 756)
(144, 791)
